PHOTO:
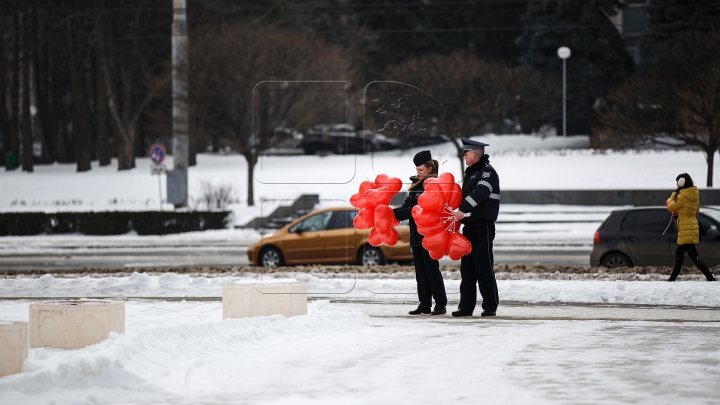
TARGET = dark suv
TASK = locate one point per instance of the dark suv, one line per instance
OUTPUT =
(634, 237)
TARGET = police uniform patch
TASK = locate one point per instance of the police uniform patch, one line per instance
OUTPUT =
(485, 175)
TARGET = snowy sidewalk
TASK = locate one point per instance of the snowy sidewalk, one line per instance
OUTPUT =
(184, 353)
(554, 312)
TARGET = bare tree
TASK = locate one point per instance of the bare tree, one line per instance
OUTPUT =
(474, 93)
(230, 74)
(24, 94)
(675, 100)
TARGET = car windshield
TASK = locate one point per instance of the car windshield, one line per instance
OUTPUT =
(712, 214)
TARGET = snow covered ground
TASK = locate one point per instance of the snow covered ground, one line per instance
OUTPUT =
(183, 353)
(375, 290)
(523, 162)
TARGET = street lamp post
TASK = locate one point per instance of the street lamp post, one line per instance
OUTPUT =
(564, 52)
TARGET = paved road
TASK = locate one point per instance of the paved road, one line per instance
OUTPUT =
(125, 258)
(129, 257)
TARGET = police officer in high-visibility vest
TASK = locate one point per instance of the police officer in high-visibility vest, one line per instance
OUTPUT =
(478, 213)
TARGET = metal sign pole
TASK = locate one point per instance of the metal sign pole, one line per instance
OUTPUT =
(160, 190)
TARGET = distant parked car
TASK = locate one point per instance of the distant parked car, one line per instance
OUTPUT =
(634, 237)
(378, 141)
(332, 138)
(326, 236)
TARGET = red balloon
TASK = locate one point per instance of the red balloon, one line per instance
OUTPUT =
(393, 183)
(425, 218)
(458, 246)
(364, 219)
(384, 218)
(378, 196)
(436, 244)
(358, 200)
(374, 214)
(376, 238)
(446, 181)
(454, 196)
(434, 217)
(433, 197)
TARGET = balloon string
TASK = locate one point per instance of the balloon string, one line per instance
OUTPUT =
(448, 218)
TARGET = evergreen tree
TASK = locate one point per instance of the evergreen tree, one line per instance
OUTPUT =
(670, 19)
(599, 60)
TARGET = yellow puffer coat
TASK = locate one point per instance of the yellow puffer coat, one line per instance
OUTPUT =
(687, 206)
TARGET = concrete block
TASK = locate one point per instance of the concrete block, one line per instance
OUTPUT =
(13, 346)
(74, 324)
(243, 299)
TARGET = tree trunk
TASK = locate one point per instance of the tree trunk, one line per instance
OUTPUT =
(41, 93)
(124, 138)
(4, 118)
(14, 144)
(192, 153)
(251, 161)
(24, 97)
(710, 156)
(35, 127)
(101, 117)
(79, 111)
(125, 149)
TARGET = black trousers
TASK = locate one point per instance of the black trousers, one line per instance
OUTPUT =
(477, 268)
(429, 279)
(694, 256)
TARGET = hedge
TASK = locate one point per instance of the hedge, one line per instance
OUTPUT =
(111, 222)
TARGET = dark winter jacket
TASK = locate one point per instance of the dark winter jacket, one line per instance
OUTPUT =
(481, 192)
(405, 211)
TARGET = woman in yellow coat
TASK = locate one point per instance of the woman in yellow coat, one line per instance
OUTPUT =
(686, 201)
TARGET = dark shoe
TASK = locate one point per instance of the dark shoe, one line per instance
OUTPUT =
(439, 310)
(488, 313)
(671, 280)
(712, 279)
(420, 310)
(460, 313)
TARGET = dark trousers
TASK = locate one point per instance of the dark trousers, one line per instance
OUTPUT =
(477, 268)
(694, 256)
(429, 279)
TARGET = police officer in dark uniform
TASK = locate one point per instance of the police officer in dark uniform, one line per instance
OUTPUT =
(478, 213)
(427, 270)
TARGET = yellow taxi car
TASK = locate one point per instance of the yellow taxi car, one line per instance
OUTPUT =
(327, 236)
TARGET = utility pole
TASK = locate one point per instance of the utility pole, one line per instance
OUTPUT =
(180, 106)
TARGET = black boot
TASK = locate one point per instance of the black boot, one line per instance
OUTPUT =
(439, 310)
(461, 312)
(705, 270)
(421, 309)
(676, 268)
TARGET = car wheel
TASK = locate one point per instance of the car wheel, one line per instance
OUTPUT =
(370, 256)
(616, 260)
(271, 257)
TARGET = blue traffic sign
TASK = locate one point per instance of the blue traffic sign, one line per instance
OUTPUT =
(157, 153)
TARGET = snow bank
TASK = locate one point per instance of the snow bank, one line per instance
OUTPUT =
(532, 291)
(523, 162)
(154, 360)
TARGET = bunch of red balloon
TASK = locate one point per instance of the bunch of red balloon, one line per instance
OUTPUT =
(435, 219)
(375, 214)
